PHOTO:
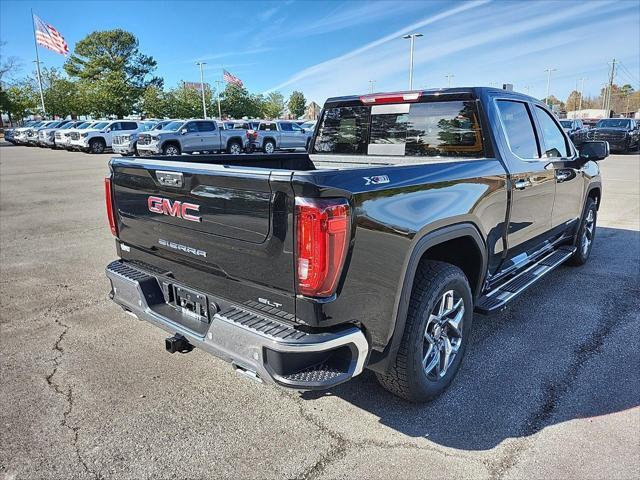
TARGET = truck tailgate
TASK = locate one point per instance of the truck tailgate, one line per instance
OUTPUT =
(213, 227)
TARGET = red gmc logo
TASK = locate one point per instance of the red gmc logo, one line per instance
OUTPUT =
(178, 209)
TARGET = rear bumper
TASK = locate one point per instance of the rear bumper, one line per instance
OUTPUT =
(257, 344)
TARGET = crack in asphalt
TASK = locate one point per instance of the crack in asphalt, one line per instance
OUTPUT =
(67, 393)
(554, 392)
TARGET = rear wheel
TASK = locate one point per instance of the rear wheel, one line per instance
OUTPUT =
(171, 149)
(234, 148)
(435, 335)
(97, 145)
(269, 147)
(586, 234)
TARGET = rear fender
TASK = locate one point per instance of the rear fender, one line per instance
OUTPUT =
(424, 243)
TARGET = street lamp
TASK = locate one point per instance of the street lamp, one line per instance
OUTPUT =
(413, 37)
(204, 105)
(548, 70)
(449, 77)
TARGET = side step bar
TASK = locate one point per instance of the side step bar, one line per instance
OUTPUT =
(497, 299)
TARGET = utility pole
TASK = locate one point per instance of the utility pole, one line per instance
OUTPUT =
(449, 77)
(371, 85)
(204, 105)
(548, 70)
(218, 83)
(412, 37)
(613, 72)
(581, 92)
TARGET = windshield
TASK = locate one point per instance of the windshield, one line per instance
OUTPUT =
(84, 125)
(614, 123)
(173, 126)
(565, 123)
(100, 126)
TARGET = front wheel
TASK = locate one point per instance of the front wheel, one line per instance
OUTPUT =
(586, 234)
(171, 149)
(97, 145)
(436, 334)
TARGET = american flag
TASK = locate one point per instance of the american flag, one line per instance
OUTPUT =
(48, 37)
(229, 78)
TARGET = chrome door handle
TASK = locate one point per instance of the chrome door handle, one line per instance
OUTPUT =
(522, 184)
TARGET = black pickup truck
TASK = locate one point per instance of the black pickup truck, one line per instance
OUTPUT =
(410, 212)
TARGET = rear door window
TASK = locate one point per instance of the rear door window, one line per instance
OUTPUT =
(206, 126)
(286, 127)
(518, 127)
(268, 127)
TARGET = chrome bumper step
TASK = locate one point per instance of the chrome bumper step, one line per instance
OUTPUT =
(497, 299)
(259, 343)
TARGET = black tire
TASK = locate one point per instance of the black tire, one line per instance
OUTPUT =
(97, 145)
(586, 233)
(269, 147)
(171, 149)
(234, 147)
(408, 378)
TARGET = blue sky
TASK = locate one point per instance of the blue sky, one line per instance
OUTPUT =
(334, 48)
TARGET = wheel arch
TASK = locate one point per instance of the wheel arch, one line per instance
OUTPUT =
(237, 139)
(461, 245)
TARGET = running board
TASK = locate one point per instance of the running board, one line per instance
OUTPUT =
(497, 299)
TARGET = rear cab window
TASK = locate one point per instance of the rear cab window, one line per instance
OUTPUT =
(449, 128)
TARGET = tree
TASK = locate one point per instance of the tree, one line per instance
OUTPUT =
(297, 104)
(155, 102)
(552, 100)
(111, 69)
(20, 100)
(573, 101)
(273, 105)
(237, 102)
(8, 66)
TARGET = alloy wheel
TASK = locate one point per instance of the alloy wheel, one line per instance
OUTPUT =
(442, 335)
(587, 234)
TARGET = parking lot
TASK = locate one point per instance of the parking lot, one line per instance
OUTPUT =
(550, 387)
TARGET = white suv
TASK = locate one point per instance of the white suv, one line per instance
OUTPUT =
(99, 137)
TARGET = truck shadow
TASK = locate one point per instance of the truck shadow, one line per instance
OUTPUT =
(567, 349)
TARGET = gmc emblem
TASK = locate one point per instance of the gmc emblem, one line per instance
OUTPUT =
(178, 209)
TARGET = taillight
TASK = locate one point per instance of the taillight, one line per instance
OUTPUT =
(109, 201)
(322, 227)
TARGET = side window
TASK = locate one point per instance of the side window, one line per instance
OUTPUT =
(130, 126)
(206, 126)
(191, 127)
(518, 129)
(555, 144)
(296, 127)
(286, 127)
(268, 126)
(115, 126)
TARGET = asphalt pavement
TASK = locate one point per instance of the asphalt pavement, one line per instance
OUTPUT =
(550, 388)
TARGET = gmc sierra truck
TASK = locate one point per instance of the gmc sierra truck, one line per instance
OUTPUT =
(410, 212)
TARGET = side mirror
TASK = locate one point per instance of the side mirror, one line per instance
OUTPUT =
(183, 131)
(108, 130)
(594, 150)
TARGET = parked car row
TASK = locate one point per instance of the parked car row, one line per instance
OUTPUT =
(623, 134)
(164, 137)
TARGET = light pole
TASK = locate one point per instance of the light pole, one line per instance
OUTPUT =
(548, 70)
(449, 77)
(581, 92)
(412, 37)
(371, 85)
(204, 105)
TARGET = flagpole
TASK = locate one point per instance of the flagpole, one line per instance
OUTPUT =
(35, 40)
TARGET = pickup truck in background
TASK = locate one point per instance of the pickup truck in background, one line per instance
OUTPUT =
(411, 211)
(623, 134)
(280, 135)
(189, 136)
(99, 136)
(126, 144)
(576, 130)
